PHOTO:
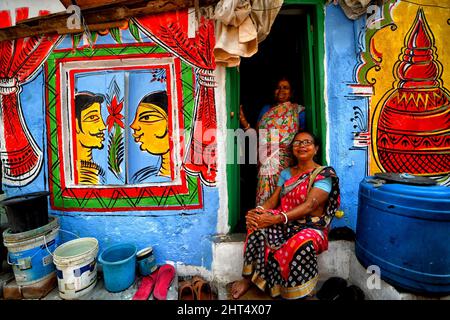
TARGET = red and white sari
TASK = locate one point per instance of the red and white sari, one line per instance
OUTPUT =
(283, 258)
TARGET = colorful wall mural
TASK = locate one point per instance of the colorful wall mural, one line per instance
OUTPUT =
(129, 126)
(404, 75)
(388, 76)
(122, 127)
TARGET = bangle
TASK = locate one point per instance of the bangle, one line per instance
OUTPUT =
(260, 207)
(285, 217)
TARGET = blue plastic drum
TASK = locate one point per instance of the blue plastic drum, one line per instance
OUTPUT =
(404, 230)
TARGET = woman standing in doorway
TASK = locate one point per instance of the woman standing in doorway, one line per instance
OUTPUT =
(277, 125)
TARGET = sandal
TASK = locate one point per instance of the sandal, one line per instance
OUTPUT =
(166, 274)
(146, 287)
(202, 289)
(186, 291)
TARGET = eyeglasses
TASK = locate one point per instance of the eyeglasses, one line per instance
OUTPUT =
(298, 143)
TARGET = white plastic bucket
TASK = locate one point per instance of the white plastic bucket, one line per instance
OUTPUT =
(76, 267)
(30, 252)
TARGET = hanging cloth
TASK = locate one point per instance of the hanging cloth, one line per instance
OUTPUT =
(240, 26)
(354, 9)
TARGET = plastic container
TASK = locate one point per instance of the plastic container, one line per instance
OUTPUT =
(76, 264)
(146, 261)
(119, 266)
(30, 252)
(404, 229)
(27, 212)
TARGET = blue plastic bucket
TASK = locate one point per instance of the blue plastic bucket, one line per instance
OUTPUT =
(119, 266)
(30, 252)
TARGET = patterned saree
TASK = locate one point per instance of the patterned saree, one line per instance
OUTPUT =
(276, 129)
(283, 258)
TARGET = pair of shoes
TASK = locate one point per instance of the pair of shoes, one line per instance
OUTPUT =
(158, 282)
(336, 288)
(186, 291)
(195, 289)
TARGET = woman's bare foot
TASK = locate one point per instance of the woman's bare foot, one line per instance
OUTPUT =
(239, 288)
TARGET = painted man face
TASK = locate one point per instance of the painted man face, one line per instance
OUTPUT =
(91, 134)
(150, 127)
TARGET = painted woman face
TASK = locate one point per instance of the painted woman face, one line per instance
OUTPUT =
(283, 91)
(150, 127)
(91, 134)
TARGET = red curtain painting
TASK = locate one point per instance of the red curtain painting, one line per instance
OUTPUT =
(19, 59)
(170, 30)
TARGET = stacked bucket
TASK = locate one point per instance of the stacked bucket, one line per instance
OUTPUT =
(39, 260)
(30, 239)
(35, 253)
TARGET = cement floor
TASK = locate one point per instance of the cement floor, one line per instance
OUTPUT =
(99, 292)
(222, 292)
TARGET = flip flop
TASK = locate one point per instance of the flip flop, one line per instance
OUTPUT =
(166, 274)
(186, 291)
(146, 287)
(202, 288)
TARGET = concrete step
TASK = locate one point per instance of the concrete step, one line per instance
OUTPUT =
(338, 261)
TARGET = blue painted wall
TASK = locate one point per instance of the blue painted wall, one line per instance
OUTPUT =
(180, 237)
(341, 57)
(187, 237)
(184, 238)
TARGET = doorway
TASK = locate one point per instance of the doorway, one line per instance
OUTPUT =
(292, 49)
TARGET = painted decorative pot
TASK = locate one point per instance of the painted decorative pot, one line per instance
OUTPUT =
(413, 128)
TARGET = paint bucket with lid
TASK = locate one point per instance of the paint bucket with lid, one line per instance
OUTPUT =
(30, 252)
(146, 261)
(76, 267)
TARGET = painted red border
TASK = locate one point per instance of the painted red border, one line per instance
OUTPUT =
(115, 46)
(132, 191)
(169, 88)
(142, 208)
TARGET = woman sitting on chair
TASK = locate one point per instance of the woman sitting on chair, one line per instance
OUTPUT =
(287, 232)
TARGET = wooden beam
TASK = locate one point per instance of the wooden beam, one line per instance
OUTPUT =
(96, 18)
(85, 4)
(97, 4)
